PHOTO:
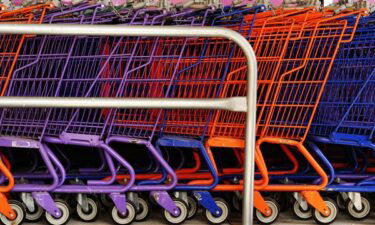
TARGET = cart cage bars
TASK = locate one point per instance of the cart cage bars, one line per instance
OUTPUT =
(89, 66)
(295, 52)
(10, 45)
(347, 110)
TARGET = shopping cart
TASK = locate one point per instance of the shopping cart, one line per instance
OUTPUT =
(284, 118)
(345, 117)
(155, 79)
(44, 59)
(295, 49)
(289, 90)
(10, 49)
(87, 67)
(172, 77)
(283, 76)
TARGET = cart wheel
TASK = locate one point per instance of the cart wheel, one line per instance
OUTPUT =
(65, 213)
(300, 213)
(282, 200)
(236, 203)
(106, 201)
(321, 219)
(34, 215)
(91, 214)
(193, 207)
(359, 214)
(144, 210)
(20, 211)
(212, 219)
(340, 202)
(275, 209)
(181, 217)
(128, 218)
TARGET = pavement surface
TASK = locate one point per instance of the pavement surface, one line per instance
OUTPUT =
(156, 219)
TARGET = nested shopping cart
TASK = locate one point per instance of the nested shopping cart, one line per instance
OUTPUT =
(10, 49)
(183, 76)
(11, 44)
(154, 77)
(345, 120)
(42, 65)
(87, 67)
(288, 98)
(289, 90)
(295, 50)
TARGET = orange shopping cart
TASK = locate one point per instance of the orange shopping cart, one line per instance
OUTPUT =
(295, 51)
(288, 95)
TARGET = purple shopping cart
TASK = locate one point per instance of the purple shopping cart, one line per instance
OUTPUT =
(43, 64)
(85, 67)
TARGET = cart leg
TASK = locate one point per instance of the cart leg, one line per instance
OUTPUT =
(207, 201)
(44, 200)
(120, 202)
(5, 208)
(165, 201)
(260, 204)
(316, 201)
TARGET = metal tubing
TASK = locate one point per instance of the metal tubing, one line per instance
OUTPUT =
(237, 104)
(157, 31)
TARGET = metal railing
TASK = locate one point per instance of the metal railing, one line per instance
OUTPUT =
(244, 104)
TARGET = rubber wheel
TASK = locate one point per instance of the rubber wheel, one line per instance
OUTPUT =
(128, 218)
(275, 210)
(359, 214)
(20, 211)
(300, 213)
(144, 210)
(91, 214)
(321, 219)
(36, 215)
(236, 203)
(341, 203)
(213, 219)
(193, 207)
(281, 199)
(171, 219)
(106, 201)
(65, 213)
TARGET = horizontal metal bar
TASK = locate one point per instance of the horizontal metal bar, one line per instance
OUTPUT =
(172, 31)
(237, 104)
(113, 30)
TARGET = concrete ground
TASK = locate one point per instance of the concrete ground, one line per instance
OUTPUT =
(284, 219)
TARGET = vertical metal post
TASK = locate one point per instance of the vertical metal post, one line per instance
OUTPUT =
(248, 200)
(154, 31)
